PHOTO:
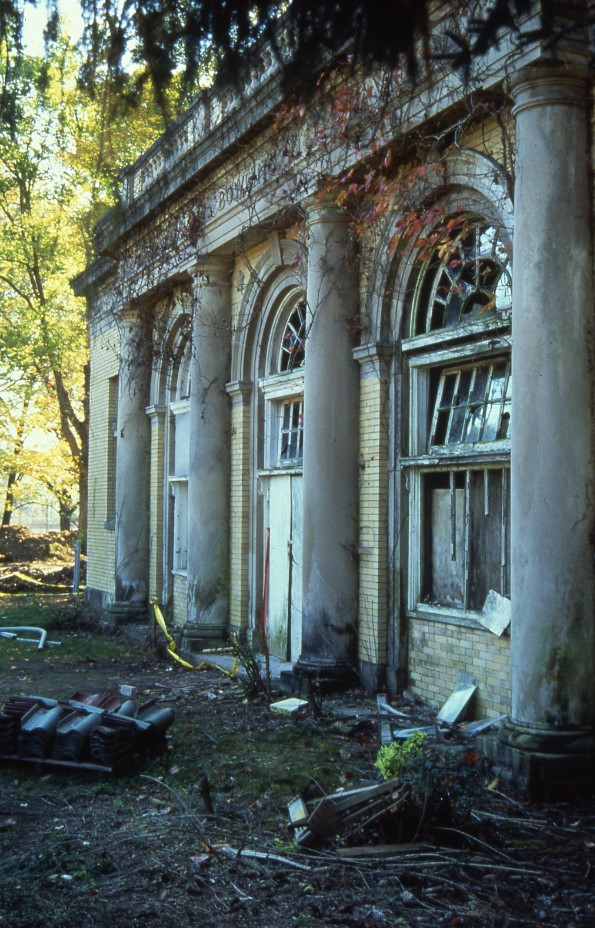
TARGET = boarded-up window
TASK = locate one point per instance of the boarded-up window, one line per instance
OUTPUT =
(466, 537)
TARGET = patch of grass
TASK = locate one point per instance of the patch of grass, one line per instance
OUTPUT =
(49, 611)
(65, 620)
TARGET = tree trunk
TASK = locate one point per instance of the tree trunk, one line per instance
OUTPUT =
(9, 499)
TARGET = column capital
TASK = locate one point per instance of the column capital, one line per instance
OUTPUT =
(373, 352)
(129, 313)
(324, 210)
(211, 271)
(156, 412)
(239, 388)
(548, 84)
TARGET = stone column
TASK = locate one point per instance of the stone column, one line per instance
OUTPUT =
(550, 732)
(132, 467)
(330, 523)
(209, 470)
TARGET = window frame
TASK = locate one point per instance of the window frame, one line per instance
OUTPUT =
(426, 356)
(278, 390)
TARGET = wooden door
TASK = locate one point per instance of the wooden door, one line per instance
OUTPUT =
(284, 521)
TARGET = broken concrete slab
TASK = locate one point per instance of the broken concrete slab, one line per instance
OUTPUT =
(383, 706)
(458, 701)
(289, 706)
(403, 733)
(496, 613)
(474, 728)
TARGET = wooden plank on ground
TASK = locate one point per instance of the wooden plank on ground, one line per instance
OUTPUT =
(382, 850)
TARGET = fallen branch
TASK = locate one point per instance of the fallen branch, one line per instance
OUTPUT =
(247, 854)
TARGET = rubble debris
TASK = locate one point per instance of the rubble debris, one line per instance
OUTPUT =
(289, 706)
(11, 631)
(383, 707)
(448, 720)
(367, 851)
(298, 812)
(480, 725)
(247, 854)
(92, 732)
(496, 614)
(458, 701)
(403, 733)
(342, 811)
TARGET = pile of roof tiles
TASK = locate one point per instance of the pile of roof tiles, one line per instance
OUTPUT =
(94, 732)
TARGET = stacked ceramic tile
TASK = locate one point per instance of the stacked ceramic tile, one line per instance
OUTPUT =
(38, 727)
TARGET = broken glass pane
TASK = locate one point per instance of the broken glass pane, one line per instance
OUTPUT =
(291, 444)
(473, 405)
(293, 340)
(470, 280)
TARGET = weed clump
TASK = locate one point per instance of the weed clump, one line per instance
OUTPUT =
(396, 760)
(441, 781)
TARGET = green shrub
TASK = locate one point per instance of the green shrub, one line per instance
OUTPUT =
(398, 759)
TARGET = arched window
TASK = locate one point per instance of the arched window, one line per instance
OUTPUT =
(457, 357)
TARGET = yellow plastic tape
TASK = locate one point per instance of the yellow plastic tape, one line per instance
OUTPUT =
(171, 648)
(55, 586)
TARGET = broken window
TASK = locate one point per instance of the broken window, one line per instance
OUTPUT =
(293, 351)
(468, 279)
(460, 393)
(291, 444)
(473, 404)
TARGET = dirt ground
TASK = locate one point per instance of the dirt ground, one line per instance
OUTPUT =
(152, 846)
(33, 562)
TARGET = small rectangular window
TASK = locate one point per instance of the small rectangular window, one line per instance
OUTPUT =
(472, 405)
(291, 444)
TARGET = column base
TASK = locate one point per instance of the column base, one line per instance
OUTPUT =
(196, 638)
(125, 613)
(331, 671)
(550, 765)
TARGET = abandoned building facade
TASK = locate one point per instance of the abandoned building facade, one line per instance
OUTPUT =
(304, 425)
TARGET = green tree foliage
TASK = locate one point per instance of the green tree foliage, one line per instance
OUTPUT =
(59, 156)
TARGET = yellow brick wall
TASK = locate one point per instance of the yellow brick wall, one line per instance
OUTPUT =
(101, 540)
(440, 652)
(243, 273)
(373, 519)
(180, 600)
(494, 137)
(240, 510)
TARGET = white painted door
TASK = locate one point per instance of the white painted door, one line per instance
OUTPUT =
(284, 521)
